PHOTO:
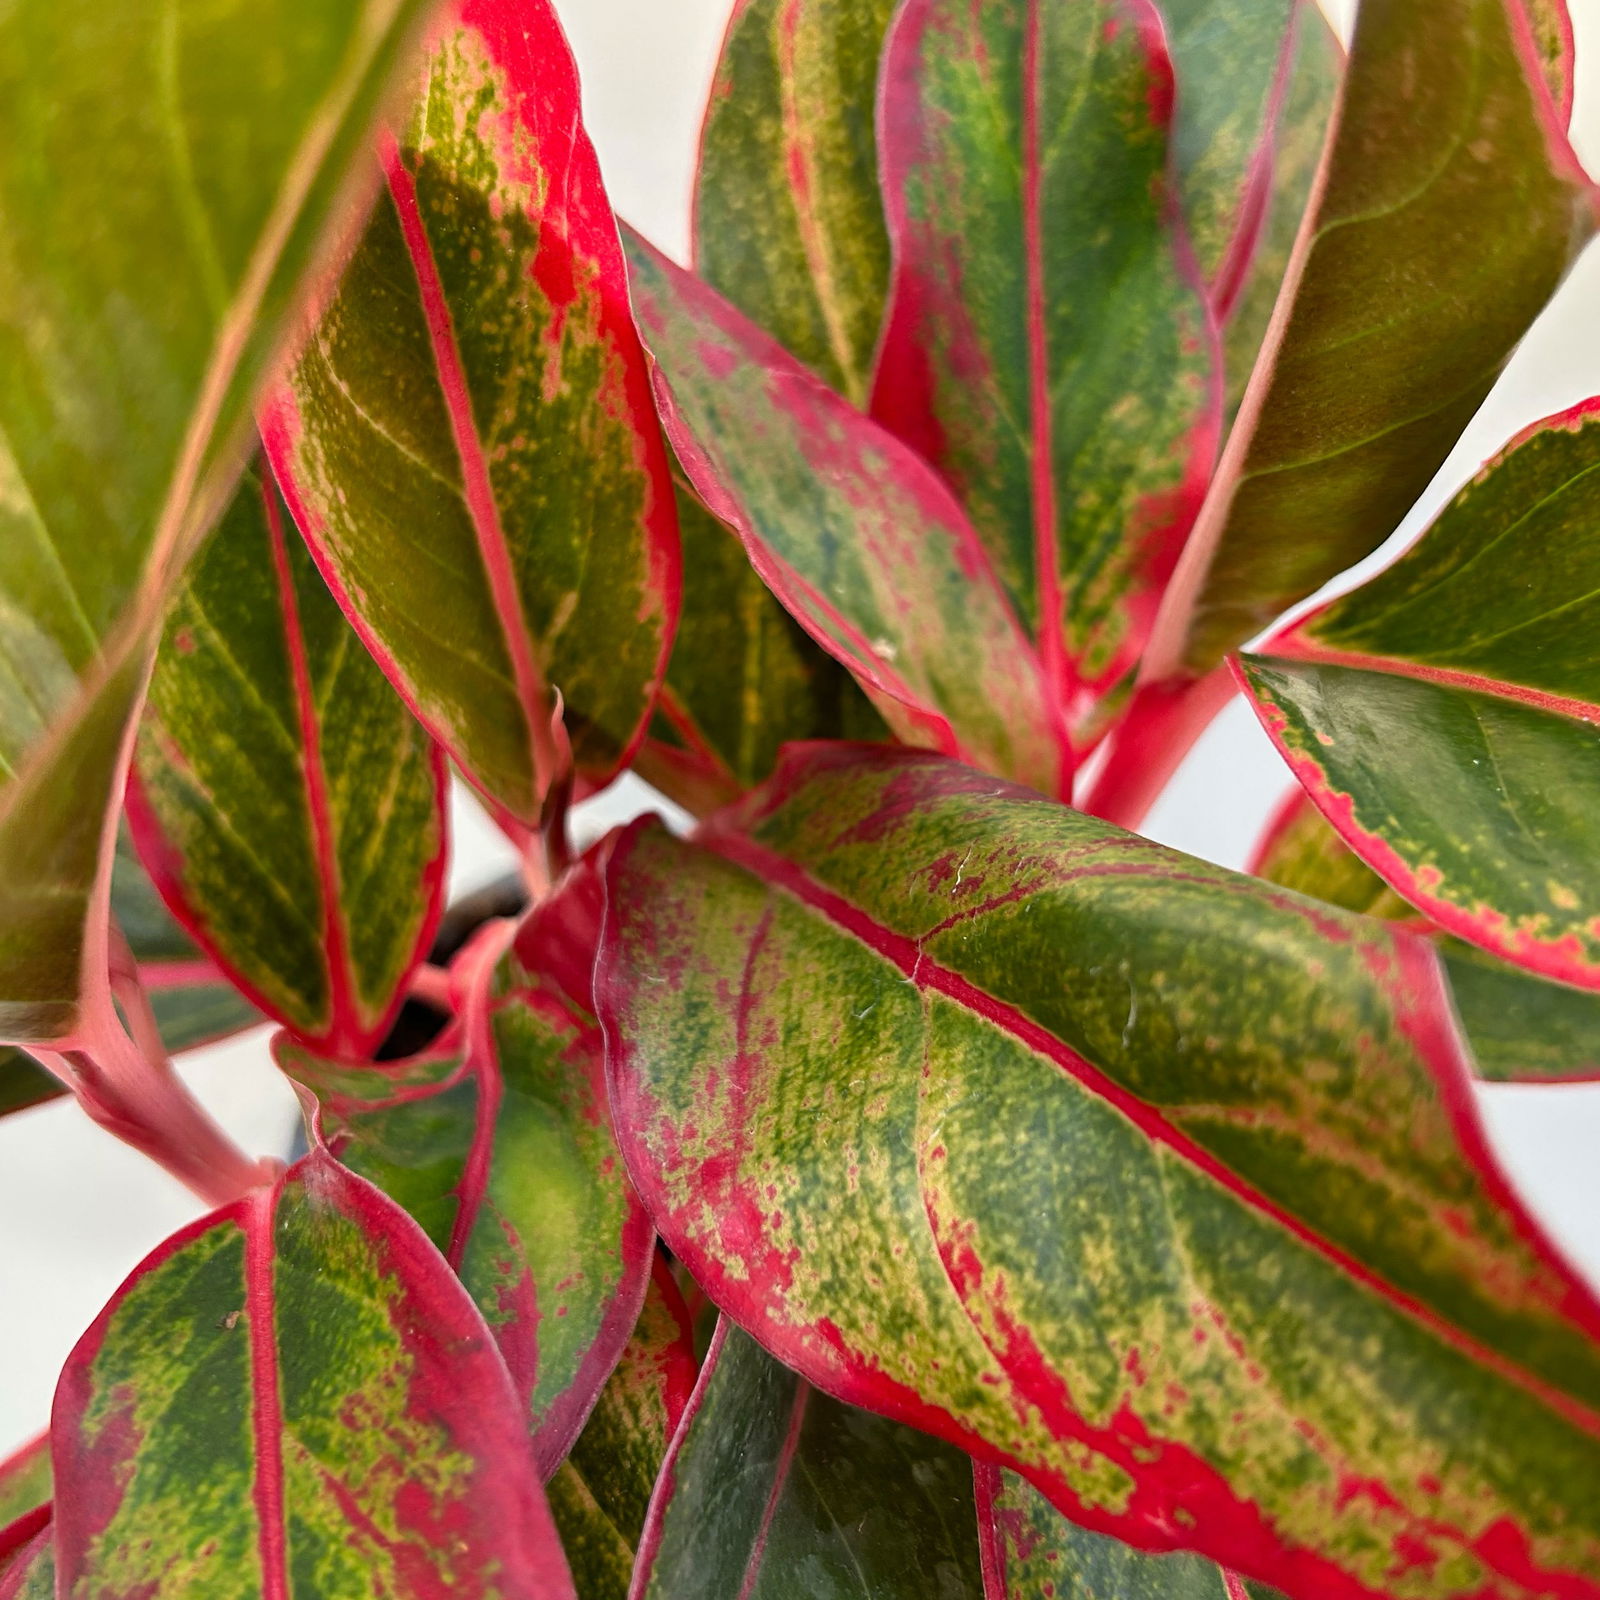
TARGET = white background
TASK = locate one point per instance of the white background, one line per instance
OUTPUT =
(78, 1210)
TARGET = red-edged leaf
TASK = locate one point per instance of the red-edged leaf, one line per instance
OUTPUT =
(1049, 345)
(294, 1395)
(744, 679)
(1304, 98)
(1448, 207)
(1553, 43)
(498, 1141)
(288, 808)
(1031, 1552)
(1232, 63)
(468, 441)
(600, 1495)
(856, 536)
(773, 1490)
(193, 1001)
(27, 1558)
(1521, 1028)
(24, 1481)
(788, 221)
(1170, 1182)
(1443, 714)
(1300, 850)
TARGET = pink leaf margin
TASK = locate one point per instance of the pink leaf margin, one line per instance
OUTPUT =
(457, 1376)
(809, 398)
(524, 38)
(902, 381)
(1233, 1532)
(348, 1035)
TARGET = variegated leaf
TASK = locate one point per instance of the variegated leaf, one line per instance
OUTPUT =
(600, 1495)
(856, 536)
(1229, 60)
(744, 678)
(1521, 1028)
(468, 441)
(293, 1397)
(1168, 1183)
(1299, 131)
(1049, 345)
(788, 218)
(24, 1480)
(498, 1142)
(27, 1558)
(287, 806)
(1031, 1552)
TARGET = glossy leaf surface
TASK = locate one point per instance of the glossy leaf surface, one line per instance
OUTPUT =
(1171, 1182)
(600, 1495)
(1315, 66)
(499, 1143)
(1031, 1552)
(1442, 715)
(294, 1397)
(1449, 208)
(468, 441)
(788, 217)
(774, 1491)
(1228, 60)
(744, 678)
(1049, 345)
(287, 804)
(24, 1480)
(1521, 1028)
(855, 535)
(139, 301)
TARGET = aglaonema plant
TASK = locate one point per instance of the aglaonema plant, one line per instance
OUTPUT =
(909, 1181)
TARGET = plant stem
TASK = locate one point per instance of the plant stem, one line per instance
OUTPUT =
(1158, 731)
(128, 1086)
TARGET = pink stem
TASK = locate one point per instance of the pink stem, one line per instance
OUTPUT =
(1158, 730)
(130, 1089)
(432, 986)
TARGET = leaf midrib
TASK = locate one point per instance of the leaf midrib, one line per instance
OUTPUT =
(927, 974)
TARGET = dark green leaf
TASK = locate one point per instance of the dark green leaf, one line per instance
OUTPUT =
(1449, 208)
(774, 1491)
(1443, 715)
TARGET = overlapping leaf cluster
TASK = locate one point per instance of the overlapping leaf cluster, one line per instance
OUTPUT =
(912, 1182)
